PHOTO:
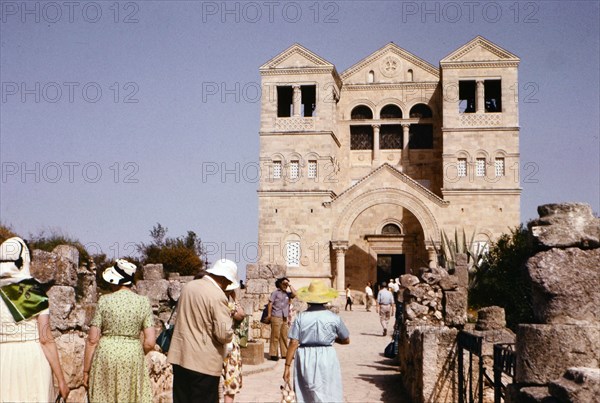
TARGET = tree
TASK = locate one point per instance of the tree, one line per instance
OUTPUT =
(502, 279)
(180, 254)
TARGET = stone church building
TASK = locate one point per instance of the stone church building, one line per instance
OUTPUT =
(362, 170)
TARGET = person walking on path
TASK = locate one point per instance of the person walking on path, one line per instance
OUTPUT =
(317, 372)
(202, 329)
(385, 307)
(348, 298)
(114, 368)
(278, 312)
(368, 296)
(27, 349)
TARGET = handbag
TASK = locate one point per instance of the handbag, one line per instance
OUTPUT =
(287, 393)
(264, 315)
(391, 350)
(164, 338)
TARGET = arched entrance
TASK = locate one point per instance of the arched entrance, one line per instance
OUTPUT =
(367, 252)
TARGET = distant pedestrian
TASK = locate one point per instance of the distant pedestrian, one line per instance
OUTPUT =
(202, 329)
(368, 296)
(278, 312)
(385, 306)
(348, 297)
(317, 373)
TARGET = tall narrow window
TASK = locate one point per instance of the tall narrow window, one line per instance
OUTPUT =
(284, 101)
(499, 166)
(480, 167)
(371, 77)
(309, 100)
(466, 96)
(276, 169)
(292, 253)
(493, 95)
(461, 167)
(312, 169)
(294, 169)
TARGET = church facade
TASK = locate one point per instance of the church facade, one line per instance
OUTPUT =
(362, 171)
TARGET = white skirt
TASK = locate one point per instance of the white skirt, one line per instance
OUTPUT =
(26, 373)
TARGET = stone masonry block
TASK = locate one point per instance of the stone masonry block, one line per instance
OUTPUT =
(565, 285)
(545, 351)
(455, 307)
(154, 272)
(257, 286)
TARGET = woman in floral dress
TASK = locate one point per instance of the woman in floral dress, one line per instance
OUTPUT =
(232, 362)
(114, 365)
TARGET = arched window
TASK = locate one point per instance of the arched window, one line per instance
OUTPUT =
(391, 112)
(371, 77)
(410, 75)
(391, 229)
(361, 112)
(420, 111)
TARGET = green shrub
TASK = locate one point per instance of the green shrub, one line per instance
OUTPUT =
(47, 243)
(180, 255)
(502, 278)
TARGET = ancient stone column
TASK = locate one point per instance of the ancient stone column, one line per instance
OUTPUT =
(480, 102)
(340, 248)
(297, 100)
(376, 144)
(405, 139)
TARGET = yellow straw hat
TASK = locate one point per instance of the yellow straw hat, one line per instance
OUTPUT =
(317, 293)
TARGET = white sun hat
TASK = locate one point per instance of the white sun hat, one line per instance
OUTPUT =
(228, 269)
(121, 273)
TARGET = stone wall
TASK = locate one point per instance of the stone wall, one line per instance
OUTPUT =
(558, 356)
(435, 309)
(73, 296)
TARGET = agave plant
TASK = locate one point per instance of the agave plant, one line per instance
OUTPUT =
(449, 248)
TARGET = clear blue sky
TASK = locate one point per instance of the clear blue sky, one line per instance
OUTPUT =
(110, 111)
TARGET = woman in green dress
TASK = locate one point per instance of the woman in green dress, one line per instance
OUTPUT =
(114, 368)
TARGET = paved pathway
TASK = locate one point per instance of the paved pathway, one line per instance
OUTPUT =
(367, 375)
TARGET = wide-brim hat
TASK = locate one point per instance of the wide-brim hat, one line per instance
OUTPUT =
(14, 261)
(121, 273)
(228, 269)
(317, 293)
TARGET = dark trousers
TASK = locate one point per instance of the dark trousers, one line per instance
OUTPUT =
(192, 387)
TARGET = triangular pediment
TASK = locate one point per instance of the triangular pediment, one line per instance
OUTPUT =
(480, 49)
(296, 56)
(388, 176)
(390, 64)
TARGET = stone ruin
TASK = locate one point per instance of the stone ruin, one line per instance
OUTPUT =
(558, 357)
(73, 296)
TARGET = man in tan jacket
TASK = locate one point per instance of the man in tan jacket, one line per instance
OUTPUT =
(202, 329)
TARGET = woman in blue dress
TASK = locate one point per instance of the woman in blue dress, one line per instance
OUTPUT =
(317, 374)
